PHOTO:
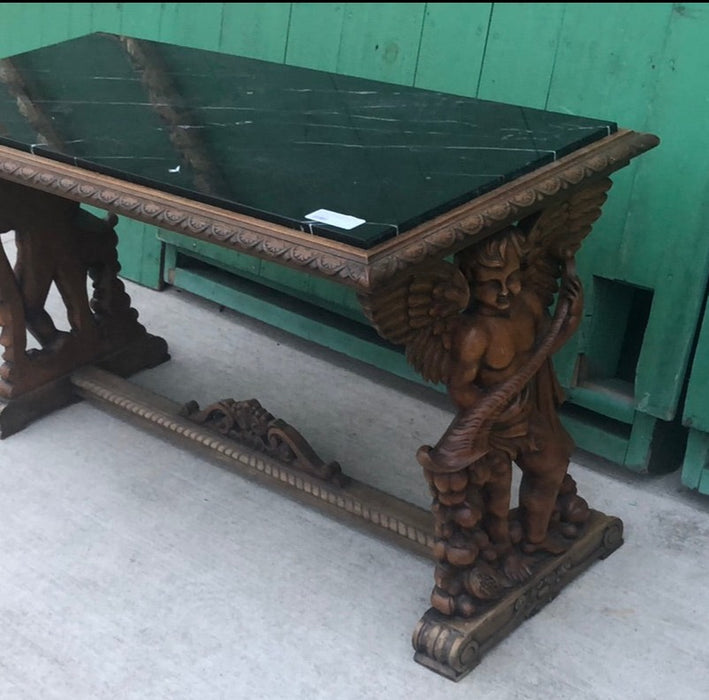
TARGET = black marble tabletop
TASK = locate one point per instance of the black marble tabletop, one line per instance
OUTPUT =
(349, 159)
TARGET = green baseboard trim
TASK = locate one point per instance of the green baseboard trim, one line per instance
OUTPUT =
(648, 446)
(595, 433)
(611, 398)
(184, 252)
(304, 320)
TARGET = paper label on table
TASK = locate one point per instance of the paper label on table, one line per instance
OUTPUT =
(325, 216)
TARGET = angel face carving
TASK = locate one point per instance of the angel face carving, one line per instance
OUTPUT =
(494, 289)
(494, 273)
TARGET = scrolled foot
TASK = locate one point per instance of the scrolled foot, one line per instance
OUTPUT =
(461, 605)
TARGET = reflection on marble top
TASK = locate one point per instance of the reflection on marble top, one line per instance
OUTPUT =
(273, 141)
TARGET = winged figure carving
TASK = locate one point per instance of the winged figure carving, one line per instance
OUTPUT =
(426, 310)
(483, 325)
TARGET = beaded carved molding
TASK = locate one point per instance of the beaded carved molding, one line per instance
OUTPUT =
(362, 269)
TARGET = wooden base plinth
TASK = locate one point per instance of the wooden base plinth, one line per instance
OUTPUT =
(143, 353)
(454, 646)
(17, 413)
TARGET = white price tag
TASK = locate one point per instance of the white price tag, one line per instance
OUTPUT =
(325, 216)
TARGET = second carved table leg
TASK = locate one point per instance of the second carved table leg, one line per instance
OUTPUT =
(60, 244)
(483, 326)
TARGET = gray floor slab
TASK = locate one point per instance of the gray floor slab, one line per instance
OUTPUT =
(132, 569)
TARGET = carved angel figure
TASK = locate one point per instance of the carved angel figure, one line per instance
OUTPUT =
(483, 326)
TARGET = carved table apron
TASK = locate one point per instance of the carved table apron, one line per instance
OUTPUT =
(471, 294)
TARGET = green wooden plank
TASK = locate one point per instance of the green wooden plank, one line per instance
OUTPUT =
(27, 26)
(696, 405)
(625, 63)
(325, 293)
(617, 61)
(107, 17)
(54, 23)
(648, 446)
(229, 260)
(600, 399)
(314, 35)
(454, 34)
(380, 41)
(695, 467)
(15, 33)
(667, 222)
(655, 446)
(142, 19)
(704, 483)
(169, 263)
(598, 436)
(193, 24)
(521, 48)
(295, 281)
(257, 30)
(152, 253)
(81, 17)
(337, 296)
(278, 277)
(140, 253)
(616, 48)
(637, 456)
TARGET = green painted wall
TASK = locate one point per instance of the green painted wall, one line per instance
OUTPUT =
(643, 65)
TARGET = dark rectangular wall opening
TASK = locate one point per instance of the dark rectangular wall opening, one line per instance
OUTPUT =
(619, 317)
(640, 305)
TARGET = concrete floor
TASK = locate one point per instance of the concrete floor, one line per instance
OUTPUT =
(131, 569)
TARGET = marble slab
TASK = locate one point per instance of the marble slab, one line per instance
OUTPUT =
(353, 160)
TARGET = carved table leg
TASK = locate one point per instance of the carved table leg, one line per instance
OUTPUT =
(59, 243)
(454, 645)
(483, 326)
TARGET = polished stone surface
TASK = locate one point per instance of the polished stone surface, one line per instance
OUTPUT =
(273, 141)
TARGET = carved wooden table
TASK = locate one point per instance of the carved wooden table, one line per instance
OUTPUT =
(455, 220)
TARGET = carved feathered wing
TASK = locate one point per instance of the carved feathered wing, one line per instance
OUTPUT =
(556, 236)
(422, 313)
